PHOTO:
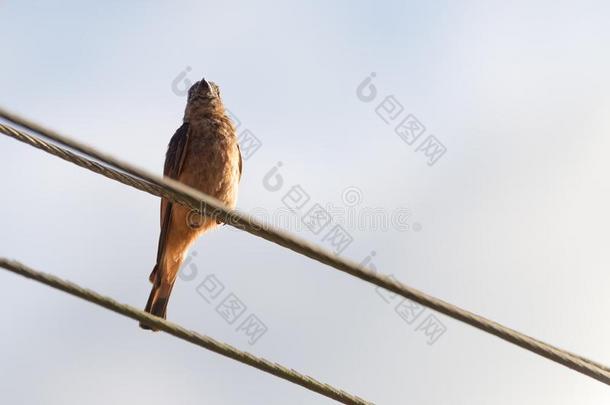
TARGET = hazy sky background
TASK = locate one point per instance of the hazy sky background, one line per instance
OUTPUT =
(514, 217)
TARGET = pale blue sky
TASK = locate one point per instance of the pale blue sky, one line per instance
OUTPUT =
(514, 216)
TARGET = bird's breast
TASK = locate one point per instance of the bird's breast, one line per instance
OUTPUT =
(212, 163)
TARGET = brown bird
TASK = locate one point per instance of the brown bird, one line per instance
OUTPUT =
(203, 154)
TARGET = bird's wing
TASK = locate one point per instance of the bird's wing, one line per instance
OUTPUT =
(240, 161)
(174, 161)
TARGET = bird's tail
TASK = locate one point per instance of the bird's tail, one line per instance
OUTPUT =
(158, 299)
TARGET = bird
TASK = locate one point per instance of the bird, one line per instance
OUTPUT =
(203, 154)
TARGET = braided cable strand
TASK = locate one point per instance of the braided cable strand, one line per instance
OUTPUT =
(196, 200)
(184, 334)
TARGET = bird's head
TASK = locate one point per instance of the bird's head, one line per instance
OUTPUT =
(203, 99)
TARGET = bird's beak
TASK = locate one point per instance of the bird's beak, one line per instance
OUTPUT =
(205, 83)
